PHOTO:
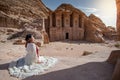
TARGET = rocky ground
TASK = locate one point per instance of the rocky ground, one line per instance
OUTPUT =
(72, 65)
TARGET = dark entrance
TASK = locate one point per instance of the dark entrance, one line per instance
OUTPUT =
(67, 36)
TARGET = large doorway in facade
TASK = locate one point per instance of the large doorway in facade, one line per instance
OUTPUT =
(67, 36)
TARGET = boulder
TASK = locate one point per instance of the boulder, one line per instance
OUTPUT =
(85, 53)
(111, 33)
(45, 37)
(114, 59)
(10, 30)
(116, 73)
(19, 42)
(114, 56)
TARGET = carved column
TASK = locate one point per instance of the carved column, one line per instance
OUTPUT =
(71, 20)
(62, 19)
(82, 22)
(54, 20)
(50, 20)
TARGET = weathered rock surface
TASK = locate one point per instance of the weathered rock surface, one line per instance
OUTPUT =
(92, 33)
(116, 73)
(23, 33)
(15, 13)
(107, 32)
(19, 42)
(97, 22)
(45, 37)
(114, 56)
(111, 33)
(23, 14)
(118, 18)
(27, 13)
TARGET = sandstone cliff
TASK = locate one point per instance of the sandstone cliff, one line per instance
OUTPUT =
(15, 13)
(23, 14)
(118, 18)
(98, 23)
(92, 33)
(107, 32)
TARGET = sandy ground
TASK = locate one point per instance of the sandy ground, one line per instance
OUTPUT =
(71, 65)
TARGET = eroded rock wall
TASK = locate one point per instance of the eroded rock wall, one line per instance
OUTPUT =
(15, 13)
(118, 18)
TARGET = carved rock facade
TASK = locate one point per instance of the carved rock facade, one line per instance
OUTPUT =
(66, 22)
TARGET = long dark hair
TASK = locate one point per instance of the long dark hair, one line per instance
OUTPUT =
(27, 38)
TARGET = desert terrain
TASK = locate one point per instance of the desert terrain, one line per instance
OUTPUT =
(77, 60)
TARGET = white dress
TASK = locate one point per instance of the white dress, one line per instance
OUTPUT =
(28, 66)
(31, 56)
